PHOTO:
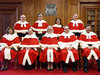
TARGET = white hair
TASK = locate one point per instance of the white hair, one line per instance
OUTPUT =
(66, 27)
(50, 27)
(23, 16)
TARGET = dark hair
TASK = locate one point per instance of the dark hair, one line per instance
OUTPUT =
(40, 13)
(60, 22)
(30, 28)
(87, 25)
(7, 31)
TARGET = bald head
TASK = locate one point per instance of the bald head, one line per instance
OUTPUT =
(23, 18)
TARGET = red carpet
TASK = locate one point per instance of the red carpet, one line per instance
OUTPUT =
(12, 71)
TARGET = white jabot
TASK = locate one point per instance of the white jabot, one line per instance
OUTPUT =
(66, 35)
(75, 22)
(40, 24)
(23, 24)
(88, 36)
(49, 35)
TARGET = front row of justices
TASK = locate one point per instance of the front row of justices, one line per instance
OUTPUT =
(49, 44)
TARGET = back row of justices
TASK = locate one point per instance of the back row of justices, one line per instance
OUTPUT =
(40, 26)
(67, 42)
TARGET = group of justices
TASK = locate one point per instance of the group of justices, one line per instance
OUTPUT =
(49, 39)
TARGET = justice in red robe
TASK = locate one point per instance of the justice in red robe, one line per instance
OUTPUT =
(49, 40)
(66, 40)
(21, 27)
(58, 29)
(40, 26)
(31, 42)
(76, 26)
(9, 40)
(87, 39)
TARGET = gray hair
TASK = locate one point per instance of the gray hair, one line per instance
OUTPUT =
(49, 27)
(66, 27)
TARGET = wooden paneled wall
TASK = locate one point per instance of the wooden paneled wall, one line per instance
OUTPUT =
(10, 11)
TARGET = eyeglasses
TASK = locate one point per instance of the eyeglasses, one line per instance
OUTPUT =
(40, 16)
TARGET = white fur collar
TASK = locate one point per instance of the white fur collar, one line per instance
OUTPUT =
(91, 33)
(78, 21)
(10, 37)
(20, 22)
(31, 36)
(56, 25)
(50, 35)
(23, 24)
(43, 21)
(70, 33)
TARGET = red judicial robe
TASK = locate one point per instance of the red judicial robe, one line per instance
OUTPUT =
(21, 27)
(49, 40)
(76, 26)
(40, 26)
(9, 40)
(58, 29)
(90, 38)
(66, 40)
(29, 41)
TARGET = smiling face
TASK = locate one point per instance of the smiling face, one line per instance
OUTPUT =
(66, 29)
(58, 21)
(30, 31)
(75, 17)
(40, 17)
(10, 31)
(88, 29)
(50, 30)
(23, 18)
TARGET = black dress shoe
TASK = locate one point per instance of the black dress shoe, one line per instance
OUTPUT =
(74, 69)
(6, 69)
(99, 69)
(65, 70)
(2, 69)
(48, 69)
(51, 69)
(85, 70)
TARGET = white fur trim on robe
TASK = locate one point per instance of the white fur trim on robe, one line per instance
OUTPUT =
(26, 57)
(40, 30)
(56, 25)
(94, 54)
(76, 22)
(2, 46)
(52, 35)
(50, 55)
(84, 44)
(73, 44)
(7, 54)
(70, 55)
(10, 37)
(31, 46)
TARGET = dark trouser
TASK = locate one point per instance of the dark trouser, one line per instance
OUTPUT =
(65, 65)
(27, 66)
(22, 34)
(85, 63)
(40, 35)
